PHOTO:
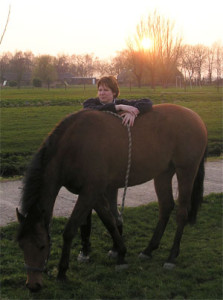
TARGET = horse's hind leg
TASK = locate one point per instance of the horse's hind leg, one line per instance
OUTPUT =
(111, 195)
(104, 212)
(163, 186)
(185, 177)
(85, 231)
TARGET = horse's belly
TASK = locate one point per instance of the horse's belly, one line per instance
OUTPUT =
(143, 172)
(145, 175)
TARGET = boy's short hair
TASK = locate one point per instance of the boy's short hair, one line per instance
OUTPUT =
(111, 82)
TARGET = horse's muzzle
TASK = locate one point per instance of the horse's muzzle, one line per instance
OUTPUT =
(34, 288)
(34, 284)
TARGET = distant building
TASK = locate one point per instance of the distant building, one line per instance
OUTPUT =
(70, 79)
(11, 76)
(63, 78)
(83, 80)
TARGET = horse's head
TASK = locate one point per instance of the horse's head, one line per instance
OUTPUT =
(34, 240)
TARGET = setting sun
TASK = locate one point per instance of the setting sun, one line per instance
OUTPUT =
(146, 43)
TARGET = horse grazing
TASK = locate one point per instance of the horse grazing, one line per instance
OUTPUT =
(87, 153)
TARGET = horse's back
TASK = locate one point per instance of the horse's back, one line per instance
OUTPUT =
(96, 143)
(168, 134)
(181, 121)
(179, 114)
(185, 128)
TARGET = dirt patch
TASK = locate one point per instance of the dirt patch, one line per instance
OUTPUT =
(10, 193)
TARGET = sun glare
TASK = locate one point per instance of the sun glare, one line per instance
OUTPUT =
(146, 43)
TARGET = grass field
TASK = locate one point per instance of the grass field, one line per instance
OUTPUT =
(27, 115)
(198, 274)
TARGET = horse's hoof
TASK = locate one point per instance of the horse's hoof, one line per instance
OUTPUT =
(83, 258)
(119, 268)
(169, 266)
(112, 253)
(144, 256)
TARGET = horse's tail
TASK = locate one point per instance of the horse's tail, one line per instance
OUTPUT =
(197, 192)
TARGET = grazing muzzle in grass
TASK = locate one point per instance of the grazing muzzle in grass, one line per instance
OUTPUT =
(34, 241)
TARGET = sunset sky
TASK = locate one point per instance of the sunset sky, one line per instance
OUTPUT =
(99, 26)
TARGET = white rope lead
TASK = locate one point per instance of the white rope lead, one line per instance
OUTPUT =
(129, 161)
(128, 168)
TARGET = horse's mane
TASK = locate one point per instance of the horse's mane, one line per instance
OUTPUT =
(33, 180)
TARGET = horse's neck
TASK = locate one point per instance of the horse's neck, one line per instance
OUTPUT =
(47, 202)
(41, 208)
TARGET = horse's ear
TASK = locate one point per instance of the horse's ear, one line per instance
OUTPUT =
(20, 217)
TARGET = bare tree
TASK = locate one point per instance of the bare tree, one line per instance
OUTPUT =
(4, 65)
(62, 64)
(118, 63)
(45, 69)
(170, 50)
(200, 56)
(62, 68)
(188, 63)
(210, 62)
(6, 25)
(73, 64)
(85, 65)
(101, 67)
(150, 29)
(136, 61)
(163, 54)
(21, 64)
(219, 63)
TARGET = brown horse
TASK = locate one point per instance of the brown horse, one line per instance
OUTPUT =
(87, 153)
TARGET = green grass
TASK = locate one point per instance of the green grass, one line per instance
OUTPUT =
(198, 274)
(28, 115)
(23, 130)
(41, 96)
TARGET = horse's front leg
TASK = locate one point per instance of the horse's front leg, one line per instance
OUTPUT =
(64, 260)
(80, 212)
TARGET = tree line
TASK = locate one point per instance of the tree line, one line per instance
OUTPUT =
(167, 61)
